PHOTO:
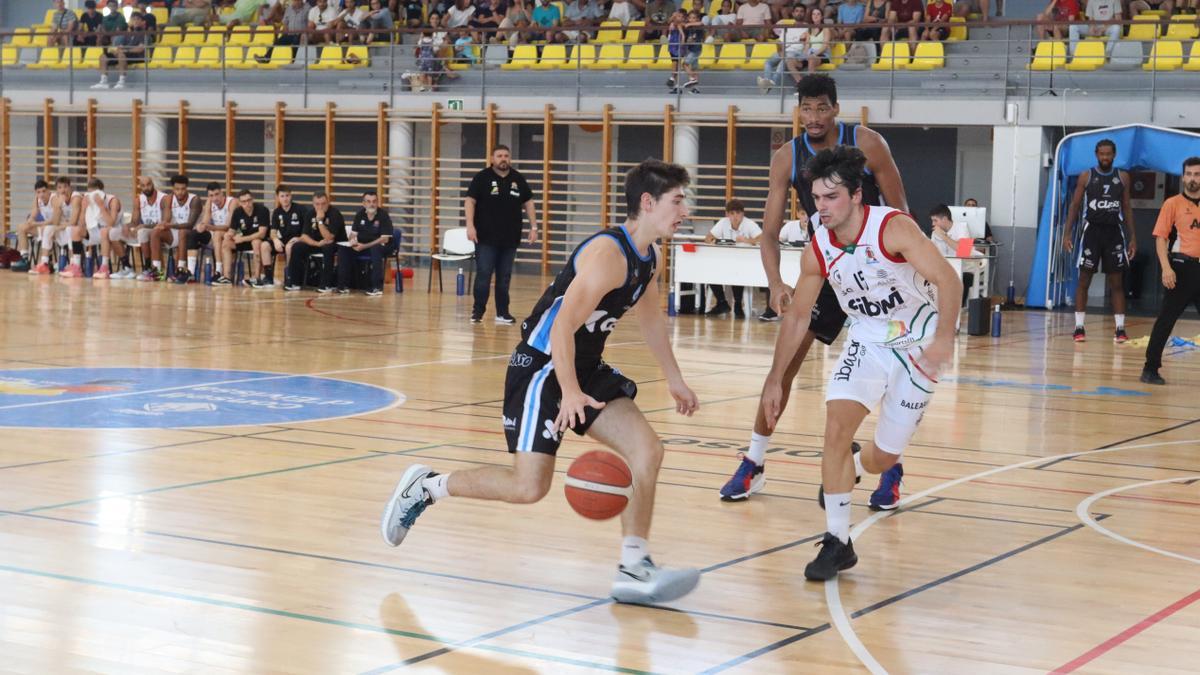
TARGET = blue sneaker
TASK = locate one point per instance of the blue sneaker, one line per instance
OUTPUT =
(887, 496)
(409, 500)
(748, 479)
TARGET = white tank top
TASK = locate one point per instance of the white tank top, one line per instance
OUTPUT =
(91, 214)
(888, 302)
(47, 209)
(181, 213)
(66, 215)
(219, 215)
(151, 212)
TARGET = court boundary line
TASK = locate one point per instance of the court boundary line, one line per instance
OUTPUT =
(1083, 511)
(1126, 635)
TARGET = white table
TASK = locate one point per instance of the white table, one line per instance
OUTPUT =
(732, 265)
(979, 266)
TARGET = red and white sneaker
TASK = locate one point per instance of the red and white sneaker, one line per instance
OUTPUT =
(1121, 337)
(42, 268)
(102, 273)
(1080, 335)
(72, 271)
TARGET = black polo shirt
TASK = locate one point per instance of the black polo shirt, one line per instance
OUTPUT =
(334, 222)
(370, 229)
(498, 206)
(248, 224)
(290, 223)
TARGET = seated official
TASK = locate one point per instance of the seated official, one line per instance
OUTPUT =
(737, 228)
(371, 241)
(324, 227)
(945, 235)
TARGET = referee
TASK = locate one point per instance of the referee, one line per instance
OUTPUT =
(494, 203)
(1180, 268)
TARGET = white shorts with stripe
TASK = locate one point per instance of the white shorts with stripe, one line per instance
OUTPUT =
(887, 379)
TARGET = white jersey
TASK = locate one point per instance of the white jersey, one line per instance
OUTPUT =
(182, 213)
(888, 302)
(151, 212)
(91, 212)
(219, 215)
(45, 210)
(66, 216)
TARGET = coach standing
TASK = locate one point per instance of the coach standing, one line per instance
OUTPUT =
(494, 203)
(1181, 268)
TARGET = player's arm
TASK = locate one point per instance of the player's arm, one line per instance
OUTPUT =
(1127, 209)
(599, 268)
(883, 166)
(780, 181)
(1162, 236)
(111, 217)
(654, 330)
(711, 237)
(77, 214)
(792, 327)
(55, 211)
(902, 237)
(1073, 209)
(33, 212)
(205, 217)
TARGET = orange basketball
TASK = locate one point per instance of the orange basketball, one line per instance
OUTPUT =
(599, 485)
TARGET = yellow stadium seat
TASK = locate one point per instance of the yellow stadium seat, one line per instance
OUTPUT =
(664, 60)
(249, 56)
(641, 56)
(208, 57)
(553, 57)
(837, 54)
(39, 38)
(610, 31)
(686, 6)
(759, 53)
(185, 57)
(1049, 55)
(161, 57)
(1182, 28)
(1193, 62)
(893, 56)
(195, 36)
(280, 57)
(235, 56)
(215, 38)
(462, 65)
(329, 58)
(929, 56)
(1166, 55)
(22, 37)
(714, 7)
(48, 58)
(1089, 55)
(582, 56)
(731, 56)
(171, 36)
(160, 15)
(240, 35)
(1149, 14)
(958, 29)
(9, 55)
(786, 22)
(708, 55)
(264, 35)
(1144, 28)
(523, 57)
(611, 56)
(633, 32)
(91, 58)
(49, 17)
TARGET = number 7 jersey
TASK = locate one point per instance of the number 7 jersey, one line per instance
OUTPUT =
(888, 302)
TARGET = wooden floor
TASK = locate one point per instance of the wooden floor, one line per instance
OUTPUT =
(256, 549)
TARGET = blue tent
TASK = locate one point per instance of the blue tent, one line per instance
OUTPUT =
(1140, 147)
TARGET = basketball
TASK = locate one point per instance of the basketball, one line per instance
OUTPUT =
(599, 485)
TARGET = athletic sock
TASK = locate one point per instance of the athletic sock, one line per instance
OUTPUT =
(75, 257)
(157, 264)
(45, 260)
(220, 269)
(1120, 321)
(633, 550)
(758, 447)
(858, 467)
(1079, 319)
(837, 515)
(76, 249)
(436, 486)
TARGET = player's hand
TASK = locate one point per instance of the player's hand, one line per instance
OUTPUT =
(533, 235)
(571, 410)
(472, 234)
(686, 402)
(1132, 249)
(357, 246)
(781, 297)
(772, 401)
(1068, 244)
(935, 357)
(1168, 278)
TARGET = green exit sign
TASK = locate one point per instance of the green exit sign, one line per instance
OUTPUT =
(455, 104)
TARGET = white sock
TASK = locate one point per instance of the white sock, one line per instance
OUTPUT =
(220, 268)
(837, 515)
(1079, 319)
(858, 467)
(633, 549)
(103, 260)
(1120, 320)
(45, 260)
(24, 253)
(191, 262)
(437, 486)
(157, 264)
(75, 259)
(758, 448)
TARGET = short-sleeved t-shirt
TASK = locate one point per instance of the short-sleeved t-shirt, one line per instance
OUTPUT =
(498, 204)
(851, 14)
(368, 230)
(333, 221)
(794, 230)
(289, 223)
(1182, 215)
(546, 16)
(724, 229)
(754, 15)
(248, 223)
(938, 11)
(1103, 10)
(905, 9)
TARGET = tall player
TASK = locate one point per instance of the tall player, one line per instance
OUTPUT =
(818, 101)
(66, 207)
(149, 221)
(557, 380)
(213, 226)
(101, 213)
(183, 209)
(903, 299)
(1108, 241)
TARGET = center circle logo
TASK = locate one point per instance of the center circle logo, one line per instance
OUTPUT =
(161, 398)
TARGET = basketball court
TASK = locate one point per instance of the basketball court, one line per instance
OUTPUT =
(206, 498)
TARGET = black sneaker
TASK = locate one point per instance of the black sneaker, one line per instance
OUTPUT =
(182, 276)
(343, 291)
(1121, 337)
(1080, 335)
(21, 265)
(720, 310)
(476, 318)
(222, 280)
(768, 315)
(374, 292)
(833, 558)
(1151, 376)
(855, 448)
(739, 313)
(505, 319)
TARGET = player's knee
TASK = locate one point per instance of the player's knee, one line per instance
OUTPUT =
(530, 488)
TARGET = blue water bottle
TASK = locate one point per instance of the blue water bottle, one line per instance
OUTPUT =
(671, 303)
(87, 265)
(996, 321)
(460, 284)
(208, 273)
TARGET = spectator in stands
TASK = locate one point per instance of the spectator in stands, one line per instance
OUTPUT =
(464, 47)
(725, 19)
(517, 19)
(849, 13)
(372, 238)
(581, 13)
(486, 21)
(130, 48)
(429, 65)
(683, 56)
(62, 25)
(626, 11)
(876, 14)
(816, 43)
(413, 15)
(547, 16)
(658, 14)
(111, 23)
(323, 20)
(1099, 10)
(379, 18)
(734, 227)
(965, 8)
(291, 28)
(937, 12)
(1166, 6)
(191, 12)
(789, 52)
(1051, 20)
(354, 13)
(908, 13)
(460, 14)
(245, 13)
(89, 26)
(754, 20)
(143, 7)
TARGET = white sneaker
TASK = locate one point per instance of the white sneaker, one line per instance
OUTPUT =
(408, 501)
(126, 273)
(764, 85)
(102, 84)
(120, 84)
(648, 584)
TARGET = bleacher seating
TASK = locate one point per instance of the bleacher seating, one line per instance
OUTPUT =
(1088, 55)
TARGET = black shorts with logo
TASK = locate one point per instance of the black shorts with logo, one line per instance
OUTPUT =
(827, 316)
(532, 397)
(1103, 249)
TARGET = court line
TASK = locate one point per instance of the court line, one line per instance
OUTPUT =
(219, 437)
(1083, 510)
(832, 594)
(1125, 635)
(1122, 442)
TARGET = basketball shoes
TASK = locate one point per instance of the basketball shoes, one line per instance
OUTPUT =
(748, 479)
(833, 558)
(648, 584)
(409, 500)
(887, 496)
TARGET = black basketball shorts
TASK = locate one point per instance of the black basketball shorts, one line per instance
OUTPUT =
(1103, 249)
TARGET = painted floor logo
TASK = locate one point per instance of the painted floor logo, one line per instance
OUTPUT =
(162, 398)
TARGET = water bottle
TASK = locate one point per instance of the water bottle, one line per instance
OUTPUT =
(399, 279)
(996, 321)
(1012, 294)
(460, 284)
(671, 303)
(208, 269)
(87, 265)
(62, 262)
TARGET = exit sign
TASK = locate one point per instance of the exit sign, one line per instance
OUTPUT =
(454, 104)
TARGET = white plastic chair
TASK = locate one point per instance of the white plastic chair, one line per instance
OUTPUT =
(456, 247)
